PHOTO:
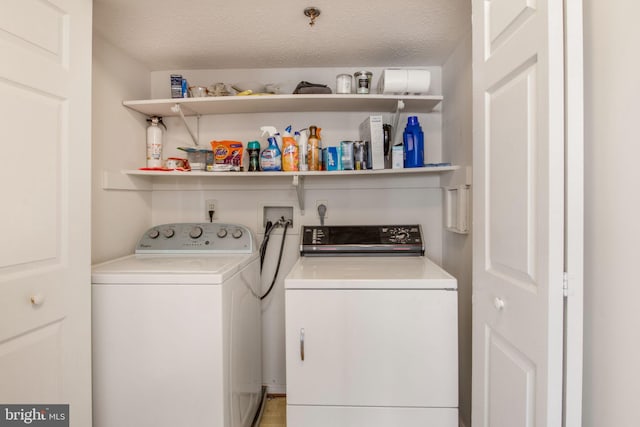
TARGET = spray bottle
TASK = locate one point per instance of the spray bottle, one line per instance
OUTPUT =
(289, 151)
(154, 142)
(271, 157)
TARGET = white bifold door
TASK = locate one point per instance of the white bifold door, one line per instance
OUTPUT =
(45, 133)
(522, 202)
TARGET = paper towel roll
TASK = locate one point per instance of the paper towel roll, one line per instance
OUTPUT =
(418, 81)
(393, 81)
(401, 81)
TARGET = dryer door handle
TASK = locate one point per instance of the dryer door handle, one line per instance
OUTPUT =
(302, 344)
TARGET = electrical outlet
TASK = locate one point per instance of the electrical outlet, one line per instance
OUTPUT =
(326, 205)
(210, 205)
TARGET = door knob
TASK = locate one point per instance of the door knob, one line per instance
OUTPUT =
(37, 299)
(498, 303)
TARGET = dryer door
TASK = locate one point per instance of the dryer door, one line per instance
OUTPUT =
(372, 348)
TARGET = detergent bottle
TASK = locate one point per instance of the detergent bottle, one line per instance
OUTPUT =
(413, 139)
(289, 152)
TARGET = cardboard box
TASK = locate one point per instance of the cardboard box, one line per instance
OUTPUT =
(332, 156)
(371, 130)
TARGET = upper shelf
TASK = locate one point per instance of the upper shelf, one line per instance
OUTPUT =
(285, 103)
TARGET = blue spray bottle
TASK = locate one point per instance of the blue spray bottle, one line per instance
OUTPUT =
(413, 139)
(271, 157)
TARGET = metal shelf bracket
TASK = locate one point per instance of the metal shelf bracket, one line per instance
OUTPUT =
(177, 108)
(396, 118)
(298, 182)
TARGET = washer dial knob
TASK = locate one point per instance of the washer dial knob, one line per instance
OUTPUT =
(195, 232)
(237, 233)
(153, 234)
(222, 233)
(169, 233)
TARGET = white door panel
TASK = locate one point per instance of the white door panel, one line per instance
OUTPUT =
(45, 119)
(518, 213)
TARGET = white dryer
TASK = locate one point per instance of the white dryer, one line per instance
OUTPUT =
(371, 331)
(177, 330)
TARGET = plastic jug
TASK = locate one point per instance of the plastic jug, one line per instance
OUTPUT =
(413, 140)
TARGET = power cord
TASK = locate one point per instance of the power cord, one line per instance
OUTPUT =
(322, 211)
(263, 248)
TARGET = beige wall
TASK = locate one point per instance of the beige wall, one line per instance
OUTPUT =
(612, 203)
(118, 142)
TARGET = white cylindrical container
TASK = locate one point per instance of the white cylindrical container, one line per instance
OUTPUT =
(343, 83)
(154, 144)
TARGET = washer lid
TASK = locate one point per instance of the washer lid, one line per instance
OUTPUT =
(170, 269)
(368, 273)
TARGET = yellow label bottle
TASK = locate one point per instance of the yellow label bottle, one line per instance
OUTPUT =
(289, 152)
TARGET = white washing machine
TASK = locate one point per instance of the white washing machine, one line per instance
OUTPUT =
(177, 330)
(371, 331)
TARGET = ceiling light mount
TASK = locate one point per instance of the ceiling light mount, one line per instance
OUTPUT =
(312, 13)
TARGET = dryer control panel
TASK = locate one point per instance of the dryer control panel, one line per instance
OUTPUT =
(201, 238)
(362, 240)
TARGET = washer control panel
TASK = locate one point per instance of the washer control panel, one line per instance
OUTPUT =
(201, 238)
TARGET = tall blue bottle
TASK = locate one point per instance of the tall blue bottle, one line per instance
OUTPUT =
(413, 139)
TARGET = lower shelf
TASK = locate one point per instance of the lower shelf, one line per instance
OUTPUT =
(143, 180)
(426, 169)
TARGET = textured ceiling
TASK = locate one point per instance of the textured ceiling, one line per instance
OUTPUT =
(200, 34)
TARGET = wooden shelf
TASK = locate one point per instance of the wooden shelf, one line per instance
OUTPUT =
(284, 103)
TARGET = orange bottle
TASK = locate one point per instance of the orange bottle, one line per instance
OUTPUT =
(315, 149)
(289, 152)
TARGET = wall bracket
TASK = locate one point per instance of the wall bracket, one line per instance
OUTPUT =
(298, 182)
(396, 118)
(177, 108)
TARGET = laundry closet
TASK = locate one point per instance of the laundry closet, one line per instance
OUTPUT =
(127, 201)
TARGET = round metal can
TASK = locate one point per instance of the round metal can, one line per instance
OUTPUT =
(363, 81)
(343, 83)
